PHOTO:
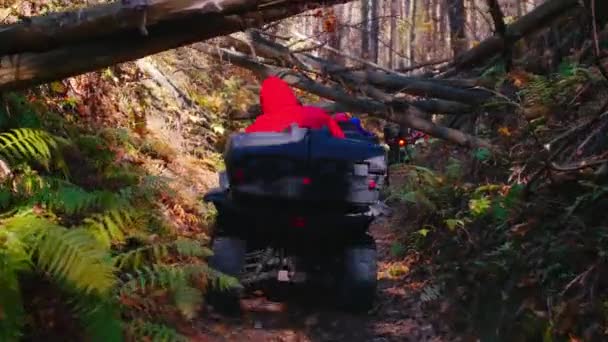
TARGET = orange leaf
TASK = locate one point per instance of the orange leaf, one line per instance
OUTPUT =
(329, 24)
(519, 78)
(575, 339)
(504, 131)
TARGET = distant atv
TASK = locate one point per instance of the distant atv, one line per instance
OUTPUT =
(296, 206)
(400, 141)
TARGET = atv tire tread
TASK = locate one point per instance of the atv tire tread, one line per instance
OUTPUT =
(228, 257)
(359, 276)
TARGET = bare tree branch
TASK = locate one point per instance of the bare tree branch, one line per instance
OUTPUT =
(527, 24)
(404, 114)
(116, 46)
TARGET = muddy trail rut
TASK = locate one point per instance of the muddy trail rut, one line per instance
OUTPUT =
(307, 315)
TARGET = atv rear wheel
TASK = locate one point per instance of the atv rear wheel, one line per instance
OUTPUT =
(228, 258)
(359, 276)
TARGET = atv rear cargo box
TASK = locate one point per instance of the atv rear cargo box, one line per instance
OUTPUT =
(304, 165)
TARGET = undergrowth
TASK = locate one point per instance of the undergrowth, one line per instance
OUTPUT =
(78, 212)
(517, 241)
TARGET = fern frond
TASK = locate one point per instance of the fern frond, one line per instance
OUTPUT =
(71, 199)
(75, 255)
(187, 299)
(158, 252)
(99, 316)
(136, 257)
(13, 259)
(70, 254)
(111, 227)
(222, 281)
(5, 198)
(156, 276)
(27, 183)
(147, 331)
(191, 248)
(28, 145)
(151, 185)
(174, 276)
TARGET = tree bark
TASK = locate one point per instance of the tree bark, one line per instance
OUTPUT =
(500, 29)
(529, 23)
(412, 33)
(31, 68)
(335, 37)
(394, 33)
(374, 31)
(365, 31)
(57, 29)
(456, 15)
(451, 90)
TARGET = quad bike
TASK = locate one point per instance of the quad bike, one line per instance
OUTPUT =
(400, 141)
(295, 207)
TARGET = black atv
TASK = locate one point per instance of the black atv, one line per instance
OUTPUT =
(396, 137)
(400, 141)
(296, 207)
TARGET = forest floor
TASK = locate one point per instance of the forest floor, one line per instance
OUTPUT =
(308, 315)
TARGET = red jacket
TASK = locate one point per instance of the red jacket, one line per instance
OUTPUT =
(280, 109)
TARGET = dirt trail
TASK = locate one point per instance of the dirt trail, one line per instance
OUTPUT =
(308, 316)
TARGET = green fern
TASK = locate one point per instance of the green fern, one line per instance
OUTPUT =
(13, 260)
(71, 199)
(99, 316)
(29, 145)
(170, 276)
(176, 279)
(156, 276)
(191, 248)
(70, 254)
(156, 253)
(222, 281)
(142, 330)
(187, 299)
(27, 183)
(111, 227)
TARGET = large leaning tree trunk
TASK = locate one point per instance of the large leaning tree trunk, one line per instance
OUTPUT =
(60, 45)
(530, 23)
(374, 89)
(65, 44)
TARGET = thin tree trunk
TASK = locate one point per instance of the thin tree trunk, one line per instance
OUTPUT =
(394, 34)
(456, 14)
(472, 20)
(427, 35)
(365, 29)
(335, 37)
(403, 19)
(412, 29)
(374, 31)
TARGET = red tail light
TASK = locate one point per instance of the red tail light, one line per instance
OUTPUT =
(298, 222)
(372, 184)
(239, 175)
(306, 181)
(402, 142)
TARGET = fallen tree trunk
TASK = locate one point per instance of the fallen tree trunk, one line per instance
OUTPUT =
(527, 24)
(51, 31)
(451, 90)
(408, 116)
(31, 68)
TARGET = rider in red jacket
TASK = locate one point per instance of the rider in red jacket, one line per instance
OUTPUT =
(280, 108)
